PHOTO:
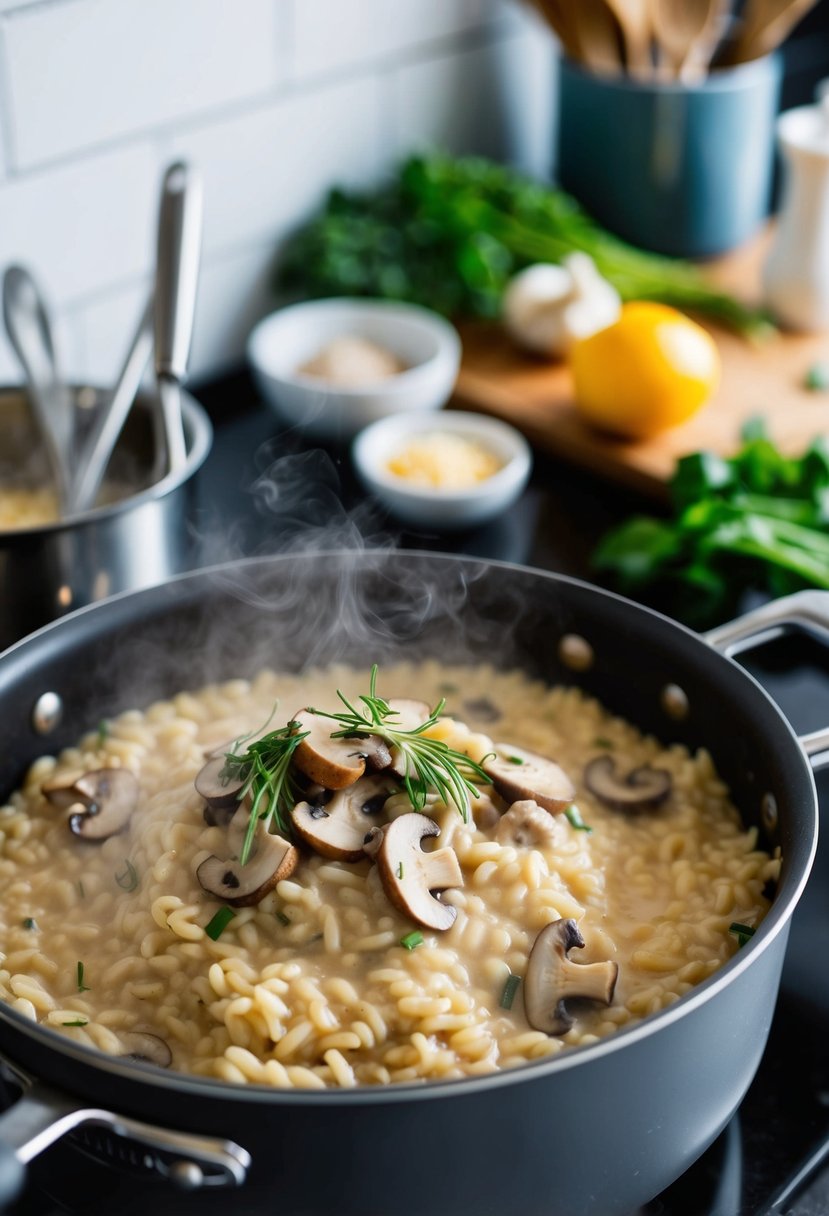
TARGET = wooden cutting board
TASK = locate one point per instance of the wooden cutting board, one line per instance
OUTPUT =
(537, 397)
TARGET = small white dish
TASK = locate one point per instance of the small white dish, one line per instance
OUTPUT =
(433, 508)
(425, 343)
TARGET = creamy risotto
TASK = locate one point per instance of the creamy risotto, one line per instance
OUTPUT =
(598, 878)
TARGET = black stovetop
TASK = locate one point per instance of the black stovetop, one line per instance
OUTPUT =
(782, 1127)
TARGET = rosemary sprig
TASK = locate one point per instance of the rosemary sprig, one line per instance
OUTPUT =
(265, 768)
(428, 763)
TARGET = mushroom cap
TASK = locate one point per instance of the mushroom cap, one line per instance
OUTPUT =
(332, 763)
(526, 825)
(338, 827)
(411, 877)
(243, 885)
(642, 789)
(216, 786)
(101, 801)
(408, 714)
(147, 1047)
(552, 978)
(521, 776)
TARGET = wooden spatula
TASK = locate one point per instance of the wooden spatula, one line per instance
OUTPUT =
(765, 25)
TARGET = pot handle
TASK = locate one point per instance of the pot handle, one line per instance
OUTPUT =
(806, 611)
(43, 1115)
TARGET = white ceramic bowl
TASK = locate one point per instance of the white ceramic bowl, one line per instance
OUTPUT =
(424, 342)
(435, 509)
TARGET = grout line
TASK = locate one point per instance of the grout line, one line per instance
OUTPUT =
(6, 109)
(284, 90)
(217, 257)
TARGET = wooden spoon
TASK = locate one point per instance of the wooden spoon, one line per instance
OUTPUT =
(597, 35)
(765, 24)
(634, 20)
(558, 18)
(685, 31)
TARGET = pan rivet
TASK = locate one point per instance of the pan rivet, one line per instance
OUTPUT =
(674, 702)
(186, 1175)
(575, 652)
(47, 712)
(768, 812)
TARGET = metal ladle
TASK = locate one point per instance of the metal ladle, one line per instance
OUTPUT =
(167, 319)
(30, 333)
(177, 272)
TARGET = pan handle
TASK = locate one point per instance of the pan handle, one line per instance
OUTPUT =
(43, 1115)
(807, 612)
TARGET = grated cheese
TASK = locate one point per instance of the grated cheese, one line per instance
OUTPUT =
(444, 462)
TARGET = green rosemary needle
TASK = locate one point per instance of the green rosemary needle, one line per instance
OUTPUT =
(265, 769)
(427, 763)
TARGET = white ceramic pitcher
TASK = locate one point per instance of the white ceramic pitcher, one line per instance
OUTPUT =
(796, 274)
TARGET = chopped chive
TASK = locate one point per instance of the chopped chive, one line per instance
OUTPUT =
(82, 987)
(400, 870)
(510, 989)
(573, 814)
(515, 760)
(29, 923)
(81, 891)
(77, 1022)
(412, 940)
(601, 741)
(742, 932)
(128, 879)
(217, 925)
(283, 919)
(103, 732)
(816, 379)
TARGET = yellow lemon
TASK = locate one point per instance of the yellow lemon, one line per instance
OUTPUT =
(650, 370)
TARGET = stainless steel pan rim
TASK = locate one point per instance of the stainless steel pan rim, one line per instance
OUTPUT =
(200, 434)
(774, 923)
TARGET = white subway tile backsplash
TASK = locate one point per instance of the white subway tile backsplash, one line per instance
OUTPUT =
(265, 170)
(234, 293)
(330, 34)
(83, 72)
(495, 99)
(451, 102)
(104, 329)
(275, 100)
(85, 225)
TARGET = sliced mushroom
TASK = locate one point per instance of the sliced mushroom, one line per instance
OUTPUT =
(640, 790)
(520, 776)
(217, 787)
(375, 751)
(408, 714)
(338, 828)
(552, 978)
(242, 885)
(527, 826)
(101, 801)
(149, 1048)
(333, 763)
(411, 877)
